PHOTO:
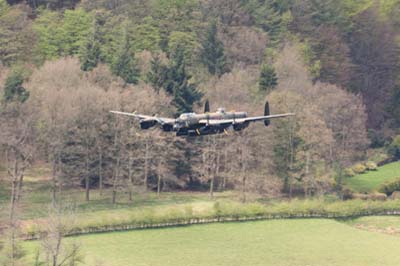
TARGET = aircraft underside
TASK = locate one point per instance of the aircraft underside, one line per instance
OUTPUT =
(209, 130)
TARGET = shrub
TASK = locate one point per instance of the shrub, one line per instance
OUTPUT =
(349, 172)
(360, 196)
(394, 148)
(371, 166)
(359, 168)
(389, 187)
(395, 195)
(378, 196)
(348, 194)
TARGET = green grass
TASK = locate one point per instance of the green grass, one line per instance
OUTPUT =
(371, 180)
(36, 198)
(276, 242)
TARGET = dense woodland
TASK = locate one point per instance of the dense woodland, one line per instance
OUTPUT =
(65, 64)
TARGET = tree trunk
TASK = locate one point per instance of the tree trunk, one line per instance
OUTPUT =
(87, 173)
(130, 176)
(54, 183)
(101, 172)
(243, 173)
(146, 164)
(158, 185)
(115, 181)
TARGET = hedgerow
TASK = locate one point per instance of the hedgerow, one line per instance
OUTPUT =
(221, 211)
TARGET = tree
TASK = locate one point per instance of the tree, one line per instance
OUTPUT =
(13, 89)
(16, 35)
(90, 52)
(268, 79)
(17, 141)
(394, 148)
(272, 16)
(212, 53)
(49, 36)
(185, 41)
(90, 55)
(157, 74)
(375, 54)
(125, 64)
(75, 29)
(55, 252)
(178, 84)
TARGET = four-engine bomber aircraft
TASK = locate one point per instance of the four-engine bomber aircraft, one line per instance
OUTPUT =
(192, 124)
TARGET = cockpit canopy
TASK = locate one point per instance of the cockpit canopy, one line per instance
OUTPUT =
(186, 115)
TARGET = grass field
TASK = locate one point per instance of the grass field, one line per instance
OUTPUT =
(276, 242)
(371, 180)
(36, 197)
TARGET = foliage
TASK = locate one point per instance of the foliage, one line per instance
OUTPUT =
(90, 53)
(178, 84)
(13, 89)
(371, 166)
(359, 168)
(47, 27)
(212, 54)
(61, 35)
(75, 29)
(272, 16)
(125, 64)
(349, 172)
(185, 41)
(16, 35)
(389, 187)
(146, 36)
(268, 79)
(394, 148)
(157, 74)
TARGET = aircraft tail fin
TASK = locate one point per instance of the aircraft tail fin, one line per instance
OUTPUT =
(267, 122)
(207, 107)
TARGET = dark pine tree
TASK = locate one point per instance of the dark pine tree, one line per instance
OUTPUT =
(90, 53)
(90, 56)
(157, 74)
(212, 54)
(268, 79)
(13, 89)
(185, 94)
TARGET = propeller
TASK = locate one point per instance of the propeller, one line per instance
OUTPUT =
(266, 113)
(207, 106)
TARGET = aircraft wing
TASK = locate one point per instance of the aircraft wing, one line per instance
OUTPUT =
(262, 118)
(242, 120)
(161, 120)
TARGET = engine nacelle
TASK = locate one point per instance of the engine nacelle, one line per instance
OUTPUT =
(146, 124)
(167, 127)
(241, 126)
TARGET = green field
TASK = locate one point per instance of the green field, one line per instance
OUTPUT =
(275, 242)
(371, 180)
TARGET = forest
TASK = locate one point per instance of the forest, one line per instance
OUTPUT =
(64, 64)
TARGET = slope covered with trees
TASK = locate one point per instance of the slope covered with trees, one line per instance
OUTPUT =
(65, 64)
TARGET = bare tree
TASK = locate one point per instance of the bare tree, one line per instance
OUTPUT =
(55, 252)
